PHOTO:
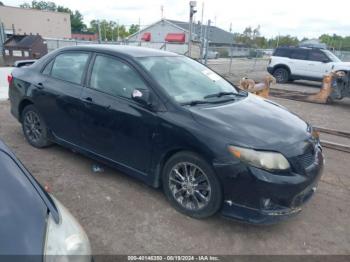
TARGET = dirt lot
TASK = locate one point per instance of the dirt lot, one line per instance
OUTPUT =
(123, 216)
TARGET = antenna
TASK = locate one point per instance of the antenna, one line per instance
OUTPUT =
(162, 11)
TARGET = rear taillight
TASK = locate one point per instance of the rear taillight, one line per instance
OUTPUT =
(9, 79)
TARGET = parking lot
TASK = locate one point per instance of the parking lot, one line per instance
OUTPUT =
(123, 216)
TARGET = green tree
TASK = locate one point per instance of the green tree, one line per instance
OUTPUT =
(251, 37)
(25, 5)
(42, 5)
(77, 22)
(335, 41)
(261, 42)
(288, 40)
(133, 29)
(110, 30)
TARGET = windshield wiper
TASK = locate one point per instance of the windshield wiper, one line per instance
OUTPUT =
(195, 102)
(220, 94)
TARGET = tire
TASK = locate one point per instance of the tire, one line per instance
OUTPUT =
(281, 74)
(34, 127)
(199, 194)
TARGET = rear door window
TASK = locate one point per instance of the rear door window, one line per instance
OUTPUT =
(299, 54)
(70, 66)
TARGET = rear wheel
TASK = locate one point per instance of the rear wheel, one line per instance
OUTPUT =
(34, 127)
(281, 74)
(191, 185)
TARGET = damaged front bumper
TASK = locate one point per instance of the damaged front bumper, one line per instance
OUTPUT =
(259, 197)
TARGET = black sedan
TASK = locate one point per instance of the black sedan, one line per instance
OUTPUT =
(35, 226)
(173, 123)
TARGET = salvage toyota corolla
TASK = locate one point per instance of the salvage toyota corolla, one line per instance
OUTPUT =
(173, 123)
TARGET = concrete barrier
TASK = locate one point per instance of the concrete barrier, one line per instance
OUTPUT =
(4, 72)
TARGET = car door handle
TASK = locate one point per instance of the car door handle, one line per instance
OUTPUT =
(39, 86)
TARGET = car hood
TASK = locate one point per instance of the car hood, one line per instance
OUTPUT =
(256, 123)
(340, 65)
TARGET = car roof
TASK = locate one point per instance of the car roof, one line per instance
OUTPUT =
(131, 51)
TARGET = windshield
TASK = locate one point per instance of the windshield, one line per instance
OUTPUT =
(187, 80)
(332, 56)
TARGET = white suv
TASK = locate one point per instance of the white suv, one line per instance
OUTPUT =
(292, 63)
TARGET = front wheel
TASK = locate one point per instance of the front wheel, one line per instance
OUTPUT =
(191, 186)
(281, 74)
(34, 127)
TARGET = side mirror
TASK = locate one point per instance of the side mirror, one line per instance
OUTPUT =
(142, 96)
(325, 61)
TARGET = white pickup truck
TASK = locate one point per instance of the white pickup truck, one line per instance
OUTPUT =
(293, 63)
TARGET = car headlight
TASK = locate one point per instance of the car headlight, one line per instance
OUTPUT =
(260, 159)
(67, 240)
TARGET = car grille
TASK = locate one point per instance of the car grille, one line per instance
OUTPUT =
(302, 162)
(307, 159)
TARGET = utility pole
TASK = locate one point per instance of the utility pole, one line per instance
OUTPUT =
(231, 50)
(193, 4)
(104, 26)
(118, 30)
(99, 32)
(202, 34)
(139, 34)
(207, 42)
(278, 40)
(2, 38)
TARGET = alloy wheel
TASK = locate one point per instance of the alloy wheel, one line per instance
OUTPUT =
(32, 126)
(281, 75)
(190, 186)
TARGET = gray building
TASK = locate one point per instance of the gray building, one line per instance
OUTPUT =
(167, 30)
(158, 32)
(221, 42)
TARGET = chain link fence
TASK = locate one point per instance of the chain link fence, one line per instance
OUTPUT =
(343, 55)
(53, 44)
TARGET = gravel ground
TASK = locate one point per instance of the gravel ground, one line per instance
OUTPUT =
(123, 216)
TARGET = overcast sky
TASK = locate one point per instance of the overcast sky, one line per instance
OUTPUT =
(309, 18)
